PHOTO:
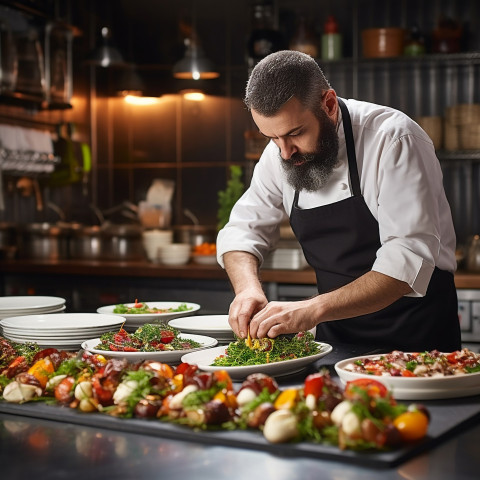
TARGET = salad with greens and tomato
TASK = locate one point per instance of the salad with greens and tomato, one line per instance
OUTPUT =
(147, 338)
(259, 351)
(143, 308)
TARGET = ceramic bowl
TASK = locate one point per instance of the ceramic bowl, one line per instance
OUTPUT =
(175, 253)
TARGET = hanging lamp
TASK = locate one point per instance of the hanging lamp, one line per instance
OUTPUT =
(195, 64)
(106, 55)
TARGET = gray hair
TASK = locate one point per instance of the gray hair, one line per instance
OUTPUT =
(283, 75)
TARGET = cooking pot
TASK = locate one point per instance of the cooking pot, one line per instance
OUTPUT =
(87, 243)
(122, 242)
(194, 234)
(383, 42)
(44, 241)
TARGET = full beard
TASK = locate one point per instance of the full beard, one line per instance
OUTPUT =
(311, 171)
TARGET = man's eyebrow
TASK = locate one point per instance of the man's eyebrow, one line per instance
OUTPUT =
(285, 134)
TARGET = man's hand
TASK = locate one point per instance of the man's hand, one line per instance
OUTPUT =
(283, 317)
(245, 305)
(242, 269)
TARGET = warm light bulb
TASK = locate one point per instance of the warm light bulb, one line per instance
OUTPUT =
(195, 96)
(134, 100)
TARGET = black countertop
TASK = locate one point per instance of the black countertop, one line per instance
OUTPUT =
(62, 447)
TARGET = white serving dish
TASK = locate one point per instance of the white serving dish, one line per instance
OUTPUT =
(205, 358)
(172, 356)
(417, 388)
(216, 326)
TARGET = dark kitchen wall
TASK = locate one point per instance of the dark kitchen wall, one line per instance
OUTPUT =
(195, 143)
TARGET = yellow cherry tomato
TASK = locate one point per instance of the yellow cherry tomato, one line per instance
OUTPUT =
(41, 369)
(411, 425)
(287, 399)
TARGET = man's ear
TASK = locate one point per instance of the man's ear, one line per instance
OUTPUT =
(330, 104)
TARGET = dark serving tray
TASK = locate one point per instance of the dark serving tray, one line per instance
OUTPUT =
(448, 417)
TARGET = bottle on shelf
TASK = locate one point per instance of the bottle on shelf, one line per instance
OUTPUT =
(264, 38)
(331, 40)
(415, 44)
(303, 39)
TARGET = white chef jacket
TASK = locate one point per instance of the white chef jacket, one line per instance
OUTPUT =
(401, 181)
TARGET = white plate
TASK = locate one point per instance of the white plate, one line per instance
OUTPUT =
(164, 356)
(30, 302)
(139, 319)
(417, 388)
(85, 333)
(65, 321)
(205, 358)
(36, 312)
(213, 325)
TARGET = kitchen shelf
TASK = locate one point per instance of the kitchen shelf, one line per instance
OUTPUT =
(31, 102)
(464, 58)
(459, 155)
(150, 165)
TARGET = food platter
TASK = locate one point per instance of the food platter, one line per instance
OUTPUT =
(205, 358)
(213, 325)
(172, 356)
(139, 319)
(417, 388)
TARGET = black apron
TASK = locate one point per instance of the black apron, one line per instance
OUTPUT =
(340, 242)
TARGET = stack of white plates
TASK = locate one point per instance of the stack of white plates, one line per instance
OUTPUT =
(14, 306)
(215, 326)
(64, 331)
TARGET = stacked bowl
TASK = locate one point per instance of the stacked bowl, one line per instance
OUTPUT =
(153, 240)
(175, 253)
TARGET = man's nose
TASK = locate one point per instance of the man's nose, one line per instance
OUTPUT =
(287, 149)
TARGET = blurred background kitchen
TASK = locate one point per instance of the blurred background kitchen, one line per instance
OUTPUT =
(102, 139)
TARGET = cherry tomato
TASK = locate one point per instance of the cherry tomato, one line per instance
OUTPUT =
(313, 385)
(411, 425)
(41, 369)
(407, 373)
(223, 376)
(373, 388)
(167, 336)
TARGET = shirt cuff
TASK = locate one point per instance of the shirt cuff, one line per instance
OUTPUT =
(406, 266)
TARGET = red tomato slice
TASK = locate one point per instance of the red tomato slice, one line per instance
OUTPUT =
(373, 388)
(167, 336)
(313, 385)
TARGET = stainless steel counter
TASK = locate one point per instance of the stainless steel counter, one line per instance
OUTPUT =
(38, 449)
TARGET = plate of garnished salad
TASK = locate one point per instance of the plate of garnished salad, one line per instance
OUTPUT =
(148, 342)
(139, 312)
(418, 375)
(283, 355)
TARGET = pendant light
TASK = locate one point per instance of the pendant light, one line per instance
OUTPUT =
(106, 55)
(194, 65)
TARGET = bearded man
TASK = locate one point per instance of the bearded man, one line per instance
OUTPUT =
(363, 189)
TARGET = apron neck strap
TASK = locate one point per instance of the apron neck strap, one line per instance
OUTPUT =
(352, 158)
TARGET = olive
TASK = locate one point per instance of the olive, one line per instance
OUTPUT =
(321, 419)
(146, 409)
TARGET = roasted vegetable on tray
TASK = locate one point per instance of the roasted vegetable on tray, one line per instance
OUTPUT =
(363, 416)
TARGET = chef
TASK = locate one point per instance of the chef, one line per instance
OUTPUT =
(363, 189)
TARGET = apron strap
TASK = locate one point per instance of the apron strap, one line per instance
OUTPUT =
(352, 158)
